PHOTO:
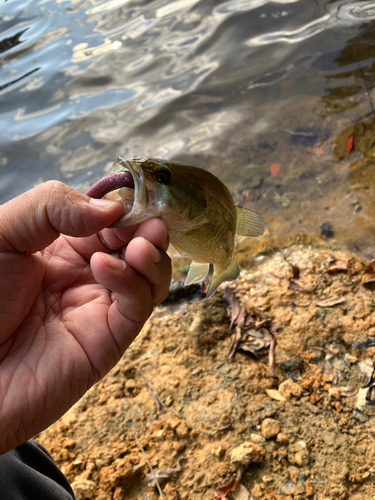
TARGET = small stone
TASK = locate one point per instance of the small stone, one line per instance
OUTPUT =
(83, 489)
(326, 230)
(218, 452)
(335, 393)
(300, 458)
(257, 438)
(289, 388)
(247, 453)
(130, 384)
(270, 428)
(258, 491)
(309, 489)
(267, 479)
(168, 401)
(197, 370)
(282, 438)
(69, 443)
(182, 430)
(302, 445)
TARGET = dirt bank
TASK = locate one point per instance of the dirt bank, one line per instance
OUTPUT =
(302, 427)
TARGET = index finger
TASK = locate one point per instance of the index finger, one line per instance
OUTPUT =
(109, 240)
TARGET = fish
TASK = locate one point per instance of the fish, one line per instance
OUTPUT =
(197, 208)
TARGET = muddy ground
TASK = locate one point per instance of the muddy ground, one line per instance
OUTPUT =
(301, 427)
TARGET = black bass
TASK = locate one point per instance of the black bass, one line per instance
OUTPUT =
(197, 208)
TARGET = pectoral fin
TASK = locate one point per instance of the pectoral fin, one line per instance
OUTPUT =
(249, 223)
(230, 273)
(197, 272)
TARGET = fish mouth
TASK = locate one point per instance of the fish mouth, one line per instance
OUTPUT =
(134, 195)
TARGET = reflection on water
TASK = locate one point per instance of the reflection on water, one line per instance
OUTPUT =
(235, 86)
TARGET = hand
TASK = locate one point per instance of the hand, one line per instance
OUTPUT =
(72, 299)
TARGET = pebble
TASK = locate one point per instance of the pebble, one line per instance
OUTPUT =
(326, 230)
(282, 438)
(289, 388)
(83, 489)
(257, 438)
(270, 428)
(300, 458)
(247, 453)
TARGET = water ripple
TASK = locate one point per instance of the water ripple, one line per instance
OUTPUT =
(339, 15)
(217, 83)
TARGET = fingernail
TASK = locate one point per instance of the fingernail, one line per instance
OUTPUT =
(156, 255)
(101, 203)
(113, 263)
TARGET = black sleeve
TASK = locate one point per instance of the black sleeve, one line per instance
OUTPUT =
(29, 472)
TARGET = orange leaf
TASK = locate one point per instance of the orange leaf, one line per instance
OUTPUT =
(275, 169)
(314, 151)
(350, 143)
(370, 268)
(318, 151)
(223, 491)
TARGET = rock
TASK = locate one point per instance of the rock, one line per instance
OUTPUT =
(178, 291)
(326, 230)
(218, 452)
(247, 453)
(292, 368)
(267, 479)
(258, 491)
(289, 388)
(301, 458)
(282, 438)
(69, 443)
(131, 384)
(182, 430)
(83, 489)
(270, 428)
(257, 438)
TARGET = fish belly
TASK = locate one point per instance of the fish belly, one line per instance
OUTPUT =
(205, 245)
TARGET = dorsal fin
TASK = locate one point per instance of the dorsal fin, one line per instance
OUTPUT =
(249, 223)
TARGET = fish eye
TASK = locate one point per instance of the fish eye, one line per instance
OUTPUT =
(163, 175)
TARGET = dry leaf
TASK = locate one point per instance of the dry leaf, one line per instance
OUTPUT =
(350, 143)
(361, 398)
(223, 491)
(275, 394)
(334, 301)
(338, 266)
(348, 391)
(295, 286)
(368, 278)
(161, 475)
(242, 493)
(370, 268)
(275, 169)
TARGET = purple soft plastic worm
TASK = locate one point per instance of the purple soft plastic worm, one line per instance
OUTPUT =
(109, 183)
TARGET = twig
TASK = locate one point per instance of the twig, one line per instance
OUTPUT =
(220, 429)
(271, 351)
(207, 485)
(148, 463)
(159, 403)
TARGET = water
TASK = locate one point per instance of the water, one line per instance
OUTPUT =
(235, 86)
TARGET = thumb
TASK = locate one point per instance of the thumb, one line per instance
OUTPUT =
(33, 220)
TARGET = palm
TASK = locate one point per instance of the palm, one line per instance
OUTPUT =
(66, 330)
